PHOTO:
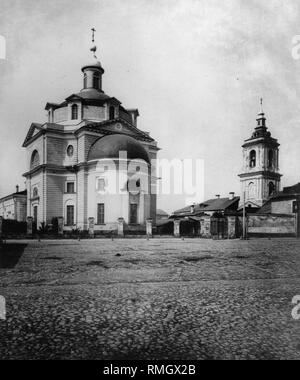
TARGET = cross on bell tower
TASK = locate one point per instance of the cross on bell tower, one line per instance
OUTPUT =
(260, 178)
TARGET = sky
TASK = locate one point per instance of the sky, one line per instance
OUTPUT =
(195, 69)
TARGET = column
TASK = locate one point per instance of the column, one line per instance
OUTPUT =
(149, 227)
(60, 220)
(121, 227)
(29, 225)
(91, 226)
(206, 227)
(232, 227)
(177, 227)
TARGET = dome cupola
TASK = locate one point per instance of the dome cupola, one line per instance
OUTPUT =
(93, 70)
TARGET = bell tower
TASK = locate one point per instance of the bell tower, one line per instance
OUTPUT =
(260, 178)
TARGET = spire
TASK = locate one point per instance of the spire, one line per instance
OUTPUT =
(261, 120)
(261, 106)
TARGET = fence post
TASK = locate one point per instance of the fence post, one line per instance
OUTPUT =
(60, 221)
(91, 226)
(29, 225)
(207, 226)
(232, 227)
(177, 227)
(121, 227)
(149, 227)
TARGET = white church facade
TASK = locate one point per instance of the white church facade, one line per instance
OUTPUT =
(89, 142)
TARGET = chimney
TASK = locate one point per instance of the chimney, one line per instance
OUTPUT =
(218, 196)
(231, 195)
(17, 188)
(193, 209)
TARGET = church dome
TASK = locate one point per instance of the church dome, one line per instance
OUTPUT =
(94, 64)
(92, 94)
(110, 146)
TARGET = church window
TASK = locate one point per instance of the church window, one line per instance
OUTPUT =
(271, 188)
(70, 187)
(252, 159)
(35, 192)
(35, 159)
(85, 81)
(101, 184)
(35, 214)
(96, 81)
(70, 215)
(251, 190)
(100, 213)
(270, 158)
(74, 112)
(111, 112)
(70, 150)
(133, 213)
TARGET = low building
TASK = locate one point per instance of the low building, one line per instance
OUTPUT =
(207, 219)
(218, 205)
(13, 206)
(161, 215)
(283, 202)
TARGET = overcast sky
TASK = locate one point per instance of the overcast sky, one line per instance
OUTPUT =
(195, 70)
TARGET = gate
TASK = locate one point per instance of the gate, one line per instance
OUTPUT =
(219, 228)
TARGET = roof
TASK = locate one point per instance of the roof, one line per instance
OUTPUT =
(287, 193)
(18, 194)
(217, 204)
(266, 208)
(161, 212)
(110, 146)
(292, 189)
(90, 94)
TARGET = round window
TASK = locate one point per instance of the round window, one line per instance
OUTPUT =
(70, 150)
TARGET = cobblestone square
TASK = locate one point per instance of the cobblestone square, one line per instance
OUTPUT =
(157, 299)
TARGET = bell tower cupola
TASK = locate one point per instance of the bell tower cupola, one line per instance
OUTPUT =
(93, 70)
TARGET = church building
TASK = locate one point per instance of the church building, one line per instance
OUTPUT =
(260, 178)
(89, 143)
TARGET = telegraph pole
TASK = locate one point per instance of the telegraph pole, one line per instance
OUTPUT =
(244, 217)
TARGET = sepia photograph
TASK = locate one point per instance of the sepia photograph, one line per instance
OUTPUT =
(149, 183)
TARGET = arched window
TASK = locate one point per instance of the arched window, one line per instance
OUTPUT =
(272, 188)
(111, 112)
(270, 158)
(35, 159)
(85, 81)
(252, 159)
(70, 150)
(74, 112)
(35, 192)
(251, 190)
(96, 81)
